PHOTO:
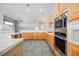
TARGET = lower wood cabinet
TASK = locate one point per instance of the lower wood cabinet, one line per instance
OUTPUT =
(16, 36)
(39, 35)
(72, 49)
(16, 51)
(34, 35)
(51, 43)
(27, 35)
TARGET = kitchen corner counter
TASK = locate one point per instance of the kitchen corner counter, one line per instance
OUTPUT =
(6, 45)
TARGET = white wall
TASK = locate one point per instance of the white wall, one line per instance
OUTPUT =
(5, 30)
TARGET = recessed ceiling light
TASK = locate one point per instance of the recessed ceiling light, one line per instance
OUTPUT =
(40, 10)
(27, 10)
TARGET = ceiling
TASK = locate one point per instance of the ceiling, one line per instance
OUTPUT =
(30, 14)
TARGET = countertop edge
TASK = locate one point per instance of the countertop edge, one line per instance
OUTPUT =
(10, 47)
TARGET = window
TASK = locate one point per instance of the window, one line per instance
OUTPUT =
(11, 22)
(8, 23)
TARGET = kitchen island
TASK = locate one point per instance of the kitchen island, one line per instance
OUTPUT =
(7, 45)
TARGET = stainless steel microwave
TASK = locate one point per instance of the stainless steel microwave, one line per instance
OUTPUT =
(61, 22)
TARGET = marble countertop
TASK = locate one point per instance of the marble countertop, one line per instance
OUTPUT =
(6, 45)
(33, 31)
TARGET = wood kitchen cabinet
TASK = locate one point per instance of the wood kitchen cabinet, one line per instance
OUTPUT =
(62, 8)
(27, 35)
(34, 35)
(16, 36)
(56, 11)
(40, 35)
(73, 11)
(72, 49)
(15, 51)
(44, 35)
(51, 43)
(72, 8)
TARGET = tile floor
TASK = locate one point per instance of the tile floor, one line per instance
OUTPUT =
(36, 48)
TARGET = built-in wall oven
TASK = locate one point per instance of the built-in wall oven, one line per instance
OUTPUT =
(60, 28)
(60, 42)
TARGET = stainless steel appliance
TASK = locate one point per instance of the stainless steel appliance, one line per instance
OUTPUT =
(61, 22)
(61, 33)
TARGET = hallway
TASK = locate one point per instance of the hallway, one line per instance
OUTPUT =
(36, 48)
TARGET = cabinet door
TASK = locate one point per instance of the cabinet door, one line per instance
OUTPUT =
(56, 11)
(39, 35)
(73, 10)
(27, 35)
(52, 46)
(16, 51)
(62, 7)
(73, 7)
(35, 35)
(72, 49)
(50, 41)
(44, 35)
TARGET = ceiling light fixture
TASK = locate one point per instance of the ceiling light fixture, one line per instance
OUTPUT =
(27, 10)
(40, 10)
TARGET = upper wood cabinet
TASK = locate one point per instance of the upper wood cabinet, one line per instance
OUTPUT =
(62, 7)
(73, 10)
(56, 11)
(72, 7)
